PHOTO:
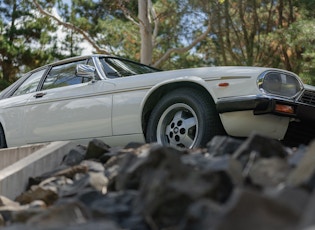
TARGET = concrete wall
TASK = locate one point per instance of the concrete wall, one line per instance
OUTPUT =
(29, 161)
(12, 155)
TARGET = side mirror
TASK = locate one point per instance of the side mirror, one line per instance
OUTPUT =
(87, 71)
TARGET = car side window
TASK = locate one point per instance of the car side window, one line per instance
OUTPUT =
(30, 84)
(63, 75)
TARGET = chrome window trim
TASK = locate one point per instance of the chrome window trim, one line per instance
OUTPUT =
(99, 69)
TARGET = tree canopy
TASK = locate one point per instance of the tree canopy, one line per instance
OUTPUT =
(168, 34)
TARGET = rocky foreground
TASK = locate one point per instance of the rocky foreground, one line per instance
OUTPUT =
(256, 184)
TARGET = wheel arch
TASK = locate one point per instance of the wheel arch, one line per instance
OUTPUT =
(153, 98)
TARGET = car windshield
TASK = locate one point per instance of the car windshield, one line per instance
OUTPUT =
(116, 67)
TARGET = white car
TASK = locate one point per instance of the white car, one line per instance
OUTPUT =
(121, 101)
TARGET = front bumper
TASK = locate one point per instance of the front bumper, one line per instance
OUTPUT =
(300, 126)
(267, 105)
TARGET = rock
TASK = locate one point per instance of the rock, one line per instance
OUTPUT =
(297, 155)
(168, 187)
(2, 221)
(112, 168)
(79, 184)
(55, 183)
(71, 171)
(304, 174)
(39, 178)
(75, 156)
(37, 193)
(269, 172)
(295, 199)
(203, 214)
(116, 206)
(13, 213)
(231, 167)
(61, 215)
(249, 210)
(7, 207)
(255, 146)
(132, 166)
(23, 215)
(98, 181)
(95, 225)
(134, 145)
(4, 201)
(95, 149)
(223, 145)
(93, 166)
(307, 219)
(63, 170)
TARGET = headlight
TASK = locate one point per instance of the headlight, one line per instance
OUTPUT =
(279, 83)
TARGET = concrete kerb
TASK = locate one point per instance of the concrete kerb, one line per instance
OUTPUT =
(46, 157)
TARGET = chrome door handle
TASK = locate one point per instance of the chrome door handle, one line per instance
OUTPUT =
(38, 95)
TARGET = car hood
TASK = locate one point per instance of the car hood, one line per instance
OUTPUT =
(309, 87)
(217, 72)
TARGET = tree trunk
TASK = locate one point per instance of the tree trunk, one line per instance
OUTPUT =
(145, 32)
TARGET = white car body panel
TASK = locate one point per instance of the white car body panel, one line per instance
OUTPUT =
(270, 125)
(12, 118)
(81, 111)
(126, 113)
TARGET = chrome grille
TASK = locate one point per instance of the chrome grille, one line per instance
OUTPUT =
(308, 97)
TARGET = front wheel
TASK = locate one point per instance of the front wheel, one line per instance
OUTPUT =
(184, 118)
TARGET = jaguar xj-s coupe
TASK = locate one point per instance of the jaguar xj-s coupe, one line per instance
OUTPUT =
(121, 101)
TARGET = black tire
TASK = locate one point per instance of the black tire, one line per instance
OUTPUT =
(3, 143)
(184, 118)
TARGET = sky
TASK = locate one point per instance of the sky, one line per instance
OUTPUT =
(86, 46)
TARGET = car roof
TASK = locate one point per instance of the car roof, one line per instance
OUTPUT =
(7, 90)
(74, 59)
(59, 62)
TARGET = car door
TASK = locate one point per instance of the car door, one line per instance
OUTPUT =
(68, 108)
(12, 108)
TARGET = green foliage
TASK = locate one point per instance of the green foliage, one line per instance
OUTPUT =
(25, 40)
(242, 32)
(260, 33)
(4, 84)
